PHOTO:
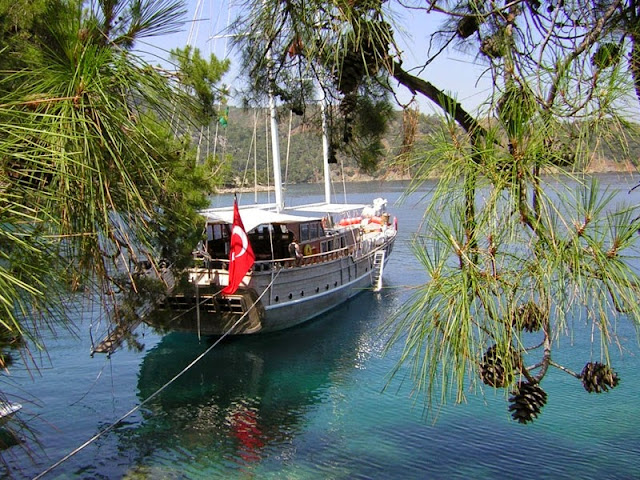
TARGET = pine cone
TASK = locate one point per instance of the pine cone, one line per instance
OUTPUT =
(526, 401)
(467, 26)
(598, 377)
(492, 47)
(529, 317)
(351, 73)
(493, 371)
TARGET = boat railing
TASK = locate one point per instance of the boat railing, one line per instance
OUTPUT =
(206, 262)
(316, 257)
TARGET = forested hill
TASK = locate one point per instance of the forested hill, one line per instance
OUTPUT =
(244, 144)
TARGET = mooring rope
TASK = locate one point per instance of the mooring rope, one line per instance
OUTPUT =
(160, 390)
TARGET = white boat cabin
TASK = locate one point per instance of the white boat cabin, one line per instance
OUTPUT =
(271, 234)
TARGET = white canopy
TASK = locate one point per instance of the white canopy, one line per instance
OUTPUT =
(328, 207)
(252, 217)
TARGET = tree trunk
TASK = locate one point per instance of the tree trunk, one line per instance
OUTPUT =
(437, 96)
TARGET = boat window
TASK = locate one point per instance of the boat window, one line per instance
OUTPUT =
(304, 232)
(219, 231)
(327, 246)
(264, 229)
(217, 240)
(313, 230)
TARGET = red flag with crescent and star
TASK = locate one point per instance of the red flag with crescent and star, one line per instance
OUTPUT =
(241, 255)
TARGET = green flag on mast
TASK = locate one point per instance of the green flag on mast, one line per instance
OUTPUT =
(224, 118)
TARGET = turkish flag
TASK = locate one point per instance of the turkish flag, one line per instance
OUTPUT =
(241, 255)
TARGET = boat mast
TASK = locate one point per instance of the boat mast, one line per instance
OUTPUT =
(325, 147)
(275, 143)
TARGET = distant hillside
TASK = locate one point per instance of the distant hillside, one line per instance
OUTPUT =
(245, 143)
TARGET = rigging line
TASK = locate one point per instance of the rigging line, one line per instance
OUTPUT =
(344, 183)
(101, 316)
(195, 25)
(286, 168)
(246, 165)
(157, 392)
(95, 382)
(255, 156)
(193, 31)
(98, 319)
(286, 165)
(198, 148)
(226, 39)
(198, 305)
(212, 51)
(215, 144)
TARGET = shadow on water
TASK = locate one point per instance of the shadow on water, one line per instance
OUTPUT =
(248, 393)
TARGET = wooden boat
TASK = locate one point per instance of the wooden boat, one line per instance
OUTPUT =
(344, 249)
(340, 258)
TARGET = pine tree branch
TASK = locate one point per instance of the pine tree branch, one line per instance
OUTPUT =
(440, 98)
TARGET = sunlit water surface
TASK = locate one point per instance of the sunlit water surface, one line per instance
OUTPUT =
(311, 403)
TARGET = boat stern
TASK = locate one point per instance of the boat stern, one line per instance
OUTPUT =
(211, 313)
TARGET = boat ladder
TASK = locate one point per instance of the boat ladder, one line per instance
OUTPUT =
(115, 338)
(378, 267)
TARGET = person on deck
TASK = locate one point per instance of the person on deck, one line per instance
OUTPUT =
(294, 250)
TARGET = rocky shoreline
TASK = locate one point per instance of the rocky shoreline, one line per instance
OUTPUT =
(597, 165)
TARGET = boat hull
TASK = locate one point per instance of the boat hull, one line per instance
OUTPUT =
(273, 299)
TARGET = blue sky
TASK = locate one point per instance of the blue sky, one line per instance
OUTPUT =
(453, 72)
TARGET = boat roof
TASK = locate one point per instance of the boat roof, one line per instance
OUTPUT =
(328, 207)
(252, 216)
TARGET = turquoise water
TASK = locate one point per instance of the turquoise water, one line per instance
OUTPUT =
(308, 403)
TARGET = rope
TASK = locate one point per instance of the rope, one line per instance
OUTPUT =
(344, 182)
(286, 168)
(246, 165)
(255, 156)
(195, 25)
(157, 392)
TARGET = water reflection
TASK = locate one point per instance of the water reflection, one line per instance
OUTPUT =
(250, 396)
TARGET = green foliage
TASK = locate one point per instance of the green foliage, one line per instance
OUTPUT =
(22, 22)
(200, 77)
(30, 284)
(234, 158)
(341, 48)
(607, 55)
(497, 241)
(515, 109)
(92, 180)
(186, 184)
(575, 260)
(376, 126)
(515, 260)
